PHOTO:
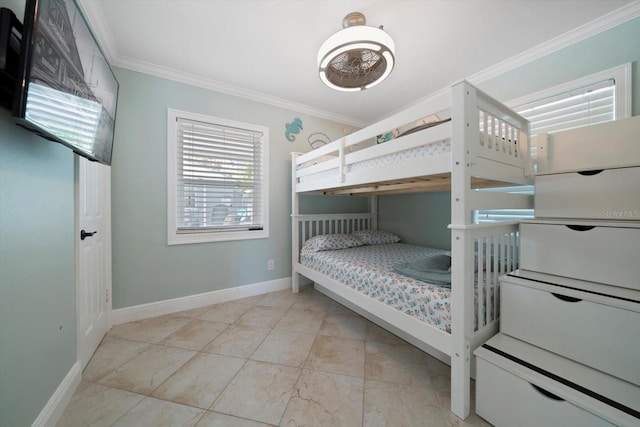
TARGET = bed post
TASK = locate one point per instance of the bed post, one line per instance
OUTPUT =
(295, 239)
(373, 209)
(465, 118)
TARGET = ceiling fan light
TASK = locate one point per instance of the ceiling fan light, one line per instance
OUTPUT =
(390, 61)
(324, 79)
(324, 60)
(356, 57)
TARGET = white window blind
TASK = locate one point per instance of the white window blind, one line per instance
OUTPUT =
(217, 179)
(220, 181)
(587, 105)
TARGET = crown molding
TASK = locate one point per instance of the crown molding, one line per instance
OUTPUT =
(590, 29)
(94, 14)
(227, 89)
(98, 23)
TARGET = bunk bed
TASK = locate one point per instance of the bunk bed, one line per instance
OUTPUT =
(460, 140)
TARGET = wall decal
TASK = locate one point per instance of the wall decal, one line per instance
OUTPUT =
(318, 139)
(292, 128)
(384, 137)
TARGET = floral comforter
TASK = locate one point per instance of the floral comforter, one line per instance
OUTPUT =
(369, 270)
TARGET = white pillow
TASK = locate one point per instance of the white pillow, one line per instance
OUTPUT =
(375, 237)
(327, 242)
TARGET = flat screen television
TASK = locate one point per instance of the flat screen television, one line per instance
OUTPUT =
(67, 91)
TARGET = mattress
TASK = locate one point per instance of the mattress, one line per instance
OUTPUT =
(369, 270)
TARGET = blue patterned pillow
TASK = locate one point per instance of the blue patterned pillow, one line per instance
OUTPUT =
(375, 237)
(327, 242)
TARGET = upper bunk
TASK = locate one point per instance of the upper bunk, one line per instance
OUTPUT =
(460, 125)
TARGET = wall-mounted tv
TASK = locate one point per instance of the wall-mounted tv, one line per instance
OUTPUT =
(67, 92)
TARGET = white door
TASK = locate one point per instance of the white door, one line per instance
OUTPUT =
(93, 302)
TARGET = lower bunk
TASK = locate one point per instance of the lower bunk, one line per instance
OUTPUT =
(368, 275)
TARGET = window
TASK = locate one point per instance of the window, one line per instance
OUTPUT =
(596, 98)
(218, 179)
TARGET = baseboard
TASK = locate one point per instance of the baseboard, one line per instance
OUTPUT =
(56, 405)
(145, 311)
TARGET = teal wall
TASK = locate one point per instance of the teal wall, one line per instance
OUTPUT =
(37, 271)
(617, 46)
(37, 268)
(145, 268)
(419, 218)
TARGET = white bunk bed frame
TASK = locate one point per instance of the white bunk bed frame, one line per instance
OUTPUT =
(496, 156)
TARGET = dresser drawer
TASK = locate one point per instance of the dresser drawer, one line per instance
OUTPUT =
(596, 253)
(571, 195)
(506, 400)
(595, 330)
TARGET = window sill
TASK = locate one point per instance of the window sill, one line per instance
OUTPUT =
(193, 238)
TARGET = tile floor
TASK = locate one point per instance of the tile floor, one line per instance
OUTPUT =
(276, 359)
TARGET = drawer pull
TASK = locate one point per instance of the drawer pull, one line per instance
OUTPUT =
(580, 227)
(546, 393)
(566, 298)
(591, 172)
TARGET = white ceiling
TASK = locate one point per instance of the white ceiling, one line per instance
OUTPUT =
(266, 49)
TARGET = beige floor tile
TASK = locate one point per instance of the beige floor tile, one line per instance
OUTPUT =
(472, 420)
(285, 348)
(402, 364)
(398, 405)
(199, 381)
(437, 367)
(159, 413)
(254, 300)
(238, 341)
(227, 312)
(306, 321)
(376, 333)
(283, 298)
(324, 399)
(265, 317)
(97, 405)
(382, 378)
(337, 355)
(314, 301)
(193, 313)
(260, 392)
(216, 419)
(112, 353)
(149, 330)
(195, 334)
(149, 369)
(343, 325)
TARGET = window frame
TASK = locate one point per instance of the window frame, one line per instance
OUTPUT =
(204, 236)
(621, 74)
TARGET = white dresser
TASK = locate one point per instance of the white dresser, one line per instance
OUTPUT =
(568, 352)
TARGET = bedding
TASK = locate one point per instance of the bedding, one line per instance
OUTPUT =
(328, 242)
(434, 269)
(369, 270)
(375, 237)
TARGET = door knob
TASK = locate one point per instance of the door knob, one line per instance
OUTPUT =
(84, 234)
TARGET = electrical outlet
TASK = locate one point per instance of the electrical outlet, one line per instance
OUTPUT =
(271, 264)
